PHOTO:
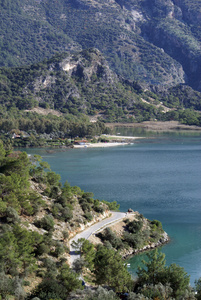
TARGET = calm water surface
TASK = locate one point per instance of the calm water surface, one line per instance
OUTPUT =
(159, 177)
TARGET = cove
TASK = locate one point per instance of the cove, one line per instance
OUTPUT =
(159, 177)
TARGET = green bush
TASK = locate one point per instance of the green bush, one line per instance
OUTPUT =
(47, 223)
(133, 240)
(42, 249)
(59, 249)
(88, 216)
(26, 283)
(85, 205)
(12, 215)
(157, 223)
(40, 273)
(134, 226)
(66, 214)
(99, 209)
(110, 236)
(112, 205)
(6, 285)
(65, 234)
(49, 289)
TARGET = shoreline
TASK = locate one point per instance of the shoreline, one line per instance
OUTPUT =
(132, 252)
(157, 126)
(99, 145)
(118, 228)
(119, 140)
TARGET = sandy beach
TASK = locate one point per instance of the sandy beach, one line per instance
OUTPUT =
(100, 145)
(119, 141)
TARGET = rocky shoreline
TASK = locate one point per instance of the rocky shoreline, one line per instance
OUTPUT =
(131, 252)
(119, 229)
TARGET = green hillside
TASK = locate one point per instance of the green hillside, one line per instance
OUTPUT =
(39, 216)
(134, 36)
(78, 83)
(147, 53)
(82, 84)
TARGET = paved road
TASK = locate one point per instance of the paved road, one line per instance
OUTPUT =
(116, 216)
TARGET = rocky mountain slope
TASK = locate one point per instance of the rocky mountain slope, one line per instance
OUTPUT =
(156, 42)
(83, 83)
(73, 83)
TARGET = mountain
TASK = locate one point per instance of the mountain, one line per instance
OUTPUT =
(82, 83)
(74, 83)
(155, 42)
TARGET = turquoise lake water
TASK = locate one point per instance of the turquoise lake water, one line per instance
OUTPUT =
(159, 177)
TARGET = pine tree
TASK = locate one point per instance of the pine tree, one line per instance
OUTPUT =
(154, 268)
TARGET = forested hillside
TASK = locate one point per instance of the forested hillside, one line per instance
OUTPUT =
(155, 42)
(140, 60)
(39, 215)
(82, 84)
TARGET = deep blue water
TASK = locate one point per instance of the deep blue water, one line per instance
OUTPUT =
(160, 178)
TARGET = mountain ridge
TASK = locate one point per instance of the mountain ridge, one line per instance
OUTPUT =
(156, 43)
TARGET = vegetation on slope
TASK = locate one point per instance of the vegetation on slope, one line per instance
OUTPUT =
(157, 43)
(82, 83)
(37, 217)
(29, 37)
(137, 234)
(68, 25)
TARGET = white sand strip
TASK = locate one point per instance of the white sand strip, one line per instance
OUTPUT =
(103, 145)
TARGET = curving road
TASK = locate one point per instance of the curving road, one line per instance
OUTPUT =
(116, 216)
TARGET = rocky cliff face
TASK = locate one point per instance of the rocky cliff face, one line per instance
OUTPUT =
(170, 30)
(69, 79)
(170, 26)
(87, 64)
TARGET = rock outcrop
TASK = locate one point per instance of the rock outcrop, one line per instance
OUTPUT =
(130, 251)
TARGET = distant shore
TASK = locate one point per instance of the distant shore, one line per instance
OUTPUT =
(156, 126)
(99, 145)
(117, 141)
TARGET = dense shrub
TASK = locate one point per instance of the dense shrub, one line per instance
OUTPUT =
(133, 240)
(42, 249)
(109, 236)
(66, 214)
(97, 207)
(6, 285)
(49, 289)
(88, 216)
(12, 215)
(47, 223)
(58, 249)
(112, 205)
(134, 226)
